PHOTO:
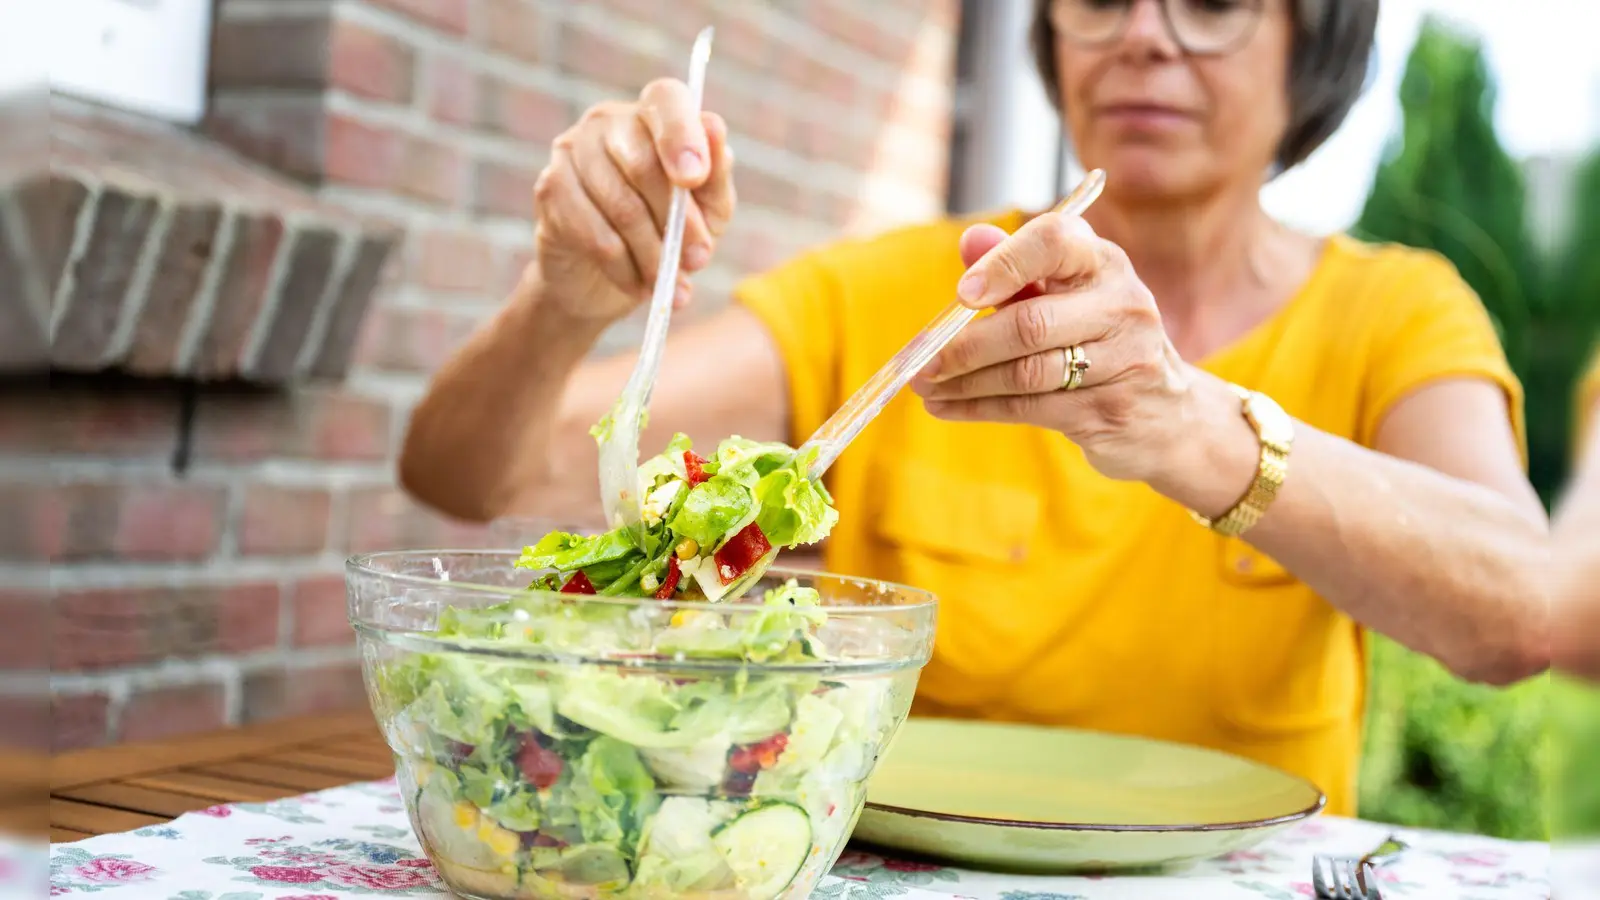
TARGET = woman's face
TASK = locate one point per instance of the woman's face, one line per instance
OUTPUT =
(1165, 123)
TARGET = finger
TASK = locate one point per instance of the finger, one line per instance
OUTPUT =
(1050, 248)
(1013, 408)
(716, 197)
(1036, 373)
(667, 110)
(619, 201)
(978, 240)
(567, 210)
(629, 145)
(1021, 329)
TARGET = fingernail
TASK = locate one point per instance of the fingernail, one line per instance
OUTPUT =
(971, 287)
(696, 257)
(690, 165)
(930, 372)
(681, 295)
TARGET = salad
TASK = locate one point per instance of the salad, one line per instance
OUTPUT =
(620, 750)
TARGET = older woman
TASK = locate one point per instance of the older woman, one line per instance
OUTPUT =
(1577, 545)
(1278, 439)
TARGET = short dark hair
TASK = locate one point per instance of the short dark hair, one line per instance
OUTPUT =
(1330, 61)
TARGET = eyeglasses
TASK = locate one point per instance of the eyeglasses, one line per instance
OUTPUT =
(1200, 27)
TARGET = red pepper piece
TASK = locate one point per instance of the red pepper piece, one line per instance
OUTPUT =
(694, 464)
(670, 583)
(755, 757)
(539, 765)
(578, 584)
(742, 551)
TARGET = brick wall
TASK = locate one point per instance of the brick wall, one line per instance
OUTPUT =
(195, 534)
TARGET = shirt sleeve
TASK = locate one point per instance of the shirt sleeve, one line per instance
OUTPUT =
(1435, 328)
(1587, 418)
(801, 304)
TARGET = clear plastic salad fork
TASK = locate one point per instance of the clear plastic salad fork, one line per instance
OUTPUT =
(618, 432)
(870, 399)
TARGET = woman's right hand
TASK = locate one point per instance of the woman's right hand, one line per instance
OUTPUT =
(602, 201)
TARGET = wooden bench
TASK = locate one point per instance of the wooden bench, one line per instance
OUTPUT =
(114, 789)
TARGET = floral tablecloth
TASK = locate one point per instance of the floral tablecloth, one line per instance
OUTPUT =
(356, 841)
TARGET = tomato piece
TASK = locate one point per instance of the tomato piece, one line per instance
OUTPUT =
(539, 765)
(755, 757)
(694, 464)
(741, 551)
(578, 584)
(670, 582)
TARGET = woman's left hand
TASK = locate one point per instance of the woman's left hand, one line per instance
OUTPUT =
(1055, 284)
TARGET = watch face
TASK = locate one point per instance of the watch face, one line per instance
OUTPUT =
(1276, 425)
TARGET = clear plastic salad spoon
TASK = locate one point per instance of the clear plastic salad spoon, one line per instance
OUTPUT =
(618, 433)
(870, 399)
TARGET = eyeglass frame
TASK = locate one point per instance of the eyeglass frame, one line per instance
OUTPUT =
(1257, 7)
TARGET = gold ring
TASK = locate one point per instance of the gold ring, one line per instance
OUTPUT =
(1076, 364)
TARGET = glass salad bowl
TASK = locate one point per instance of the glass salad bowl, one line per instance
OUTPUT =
(575, 746)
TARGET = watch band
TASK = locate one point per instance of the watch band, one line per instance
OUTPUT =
(1275, 430)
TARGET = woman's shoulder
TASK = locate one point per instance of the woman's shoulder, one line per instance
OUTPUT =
(923, 243)
(1388, 267)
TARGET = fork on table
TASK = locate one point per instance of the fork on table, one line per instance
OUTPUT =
(1347, 878)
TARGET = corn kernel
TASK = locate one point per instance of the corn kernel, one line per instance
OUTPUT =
(682, 617)
(500, 841)
(466, 815)
(688, 549)
(648, 581)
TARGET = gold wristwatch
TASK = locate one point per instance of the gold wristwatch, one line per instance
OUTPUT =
(1275, 429)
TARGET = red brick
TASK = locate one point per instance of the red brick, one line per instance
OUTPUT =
(284, 521)
(414, 340)
(527, 113)
(363, 154)
(320, 617)
(136, 521)
(742, 38)
(281, 692)
(25, 639)
(123, 420)
(36, 525)
(79, 721)
(513, 27)
(289, 134)
(384, 518)
(312, 423)
(452, 90)
(757, 188)
(114, 627)
(371, 64)
(241, 294)
(459, 261)
(452, 16)
(166, 712)
(173, 521)
(271, 53)
(607, 62)
(431, 170)
(504, 190)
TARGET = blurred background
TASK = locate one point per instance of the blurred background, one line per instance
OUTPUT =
(263, 223)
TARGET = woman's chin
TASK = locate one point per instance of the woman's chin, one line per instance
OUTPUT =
(1146, 174)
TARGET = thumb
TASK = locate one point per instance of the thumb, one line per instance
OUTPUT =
(978, 240)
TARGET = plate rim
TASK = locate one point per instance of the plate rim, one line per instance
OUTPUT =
(1316, 807)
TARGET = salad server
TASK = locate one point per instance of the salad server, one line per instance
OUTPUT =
(870, 399)
(864, 405)
(618, 432)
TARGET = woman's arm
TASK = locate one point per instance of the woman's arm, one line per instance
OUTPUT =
(1435, 538)
(1576, 581)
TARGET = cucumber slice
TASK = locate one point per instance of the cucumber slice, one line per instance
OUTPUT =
(766, 848)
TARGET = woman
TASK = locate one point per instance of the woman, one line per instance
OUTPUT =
(1058, 526)
(1577, 545)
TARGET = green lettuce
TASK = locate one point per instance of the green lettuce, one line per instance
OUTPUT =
(714, 508)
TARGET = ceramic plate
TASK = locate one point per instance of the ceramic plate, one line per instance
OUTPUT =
(1054, 800)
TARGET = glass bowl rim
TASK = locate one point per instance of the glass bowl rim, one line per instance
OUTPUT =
(362, 564)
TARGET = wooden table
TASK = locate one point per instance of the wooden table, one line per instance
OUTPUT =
(114, 789)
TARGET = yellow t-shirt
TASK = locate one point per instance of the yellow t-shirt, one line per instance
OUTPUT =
(1589, 399)
(1067, 598)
